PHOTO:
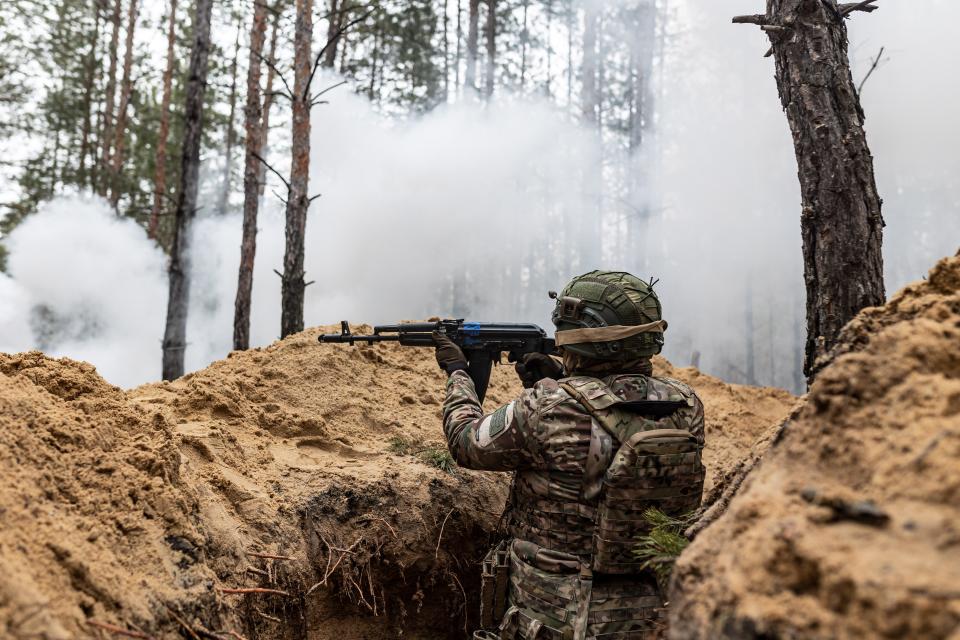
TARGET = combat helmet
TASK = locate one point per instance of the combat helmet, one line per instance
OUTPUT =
(609, 315)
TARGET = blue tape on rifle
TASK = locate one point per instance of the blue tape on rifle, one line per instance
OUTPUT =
(471, 328)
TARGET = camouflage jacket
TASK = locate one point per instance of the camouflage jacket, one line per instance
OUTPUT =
(544, 437)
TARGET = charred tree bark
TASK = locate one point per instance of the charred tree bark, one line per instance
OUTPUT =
(175, 334)
(106, 136)
(491, 29)
(253, 119)
(293, 285)
(160, 169)
(473, 36)
(126, 89)
(231, 130)
(841, 221)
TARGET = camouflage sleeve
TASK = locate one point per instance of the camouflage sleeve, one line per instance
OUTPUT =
(493, 442)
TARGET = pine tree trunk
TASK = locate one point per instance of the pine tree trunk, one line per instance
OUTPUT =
(293, 285)
(644, 18)
(588, 102)
(268, 103)
(227, 180)
(126, 89)
(90, 71)
(175, 334)
(106, 135)
(589, 221)
(334, 28)
(253, 119)
(524, 39)
(459, 50)
(841, 222)
(160, 169)
(491, 29)
(473, 36)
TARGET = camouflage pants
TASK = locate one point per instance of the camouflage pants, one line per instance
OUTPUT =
(552, 600)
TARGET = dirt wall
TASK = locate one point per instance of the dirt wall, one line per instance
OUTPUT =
(850, 527)
(295, 491)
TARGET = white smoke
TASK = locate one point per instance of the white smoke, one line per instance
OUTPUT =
(492, 196)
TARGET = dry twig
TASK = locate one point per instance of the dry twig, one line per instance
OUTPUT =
(182, 622)
(118, 631)
(269, 556)
(873, 67)
(255, 590)
(436, 553)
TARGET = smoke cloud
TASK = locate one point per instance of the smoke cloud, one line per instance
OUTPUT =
(492, 198)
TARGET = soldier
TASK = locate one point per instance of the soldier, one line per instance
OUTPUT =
(592, 444)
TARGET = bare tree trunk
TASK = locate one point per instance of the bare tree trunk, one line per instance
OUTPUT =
(588, 102)
(547, 85)
(491, 29)
(473, 36)
(175, 334)
(106, 136)
(335, 25)
(268, 102)
(446, 51)
(841, 223)
(570, 29)
(524, 40)
(589, 221)
(253, 120)
(456, 66)
(160, 170)
(644, 26)
(126, 89)
(90, 71)
(231, 130)
(293, 285)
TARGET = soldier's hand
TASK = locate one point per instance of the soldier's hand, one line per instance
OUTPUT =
(534, 367)
(449, 355)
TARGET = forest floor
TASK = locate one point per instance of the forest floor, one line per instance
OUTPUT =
(314, 475)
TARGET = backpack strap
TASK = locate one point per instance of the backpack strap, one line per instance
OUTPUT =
(619, 426)
(599, 401)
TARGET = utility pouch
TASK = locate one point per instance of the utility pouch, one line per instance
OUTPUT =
(494, 585)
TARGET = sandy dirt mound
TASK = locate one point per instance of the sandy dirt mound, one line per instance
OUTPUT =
(311, 478)
(850, 527)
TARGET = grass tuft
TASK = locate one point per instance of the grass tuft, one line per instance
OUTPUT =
(436, 456)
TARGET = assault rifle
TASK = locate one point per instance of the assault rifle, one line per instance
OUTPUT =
(483, 343)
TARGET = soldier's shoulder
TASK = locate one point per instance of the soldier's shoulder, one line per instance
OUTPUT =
(669, 388)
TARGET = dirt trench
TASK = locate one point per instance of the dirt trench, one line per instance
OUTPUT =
(298, 491)
(849, 527)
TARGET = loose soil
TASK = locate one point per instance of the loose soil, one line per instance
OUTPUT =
(306, 471)
(850, 525)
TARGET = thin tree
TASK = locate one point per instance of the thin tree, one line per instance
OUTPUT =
(175, 333)
(106, 135)
(293, 285)
(491, 29)
(253, 121)
(160, 166)
(473, 36)
(90, 73)
(841, 221)
(227, 180)
(334, 27)
(268, 95)
(126, 89)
